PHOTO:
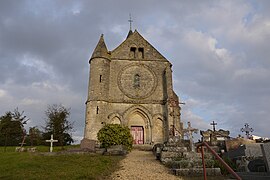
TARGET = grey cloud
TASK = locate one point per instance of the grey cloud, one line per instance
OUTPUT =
(62, 35)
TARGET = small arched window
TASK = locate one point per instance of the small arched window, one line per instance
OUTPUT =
(132, 53)
(137, 79)
(141, 53)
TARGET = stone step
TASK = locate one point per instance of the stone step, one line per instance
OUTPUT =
(254, 175)
(183, 155)
(197, 172)
(174, 149)
(143, 147)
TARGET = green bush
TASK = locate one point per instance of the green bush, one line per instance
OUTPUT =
(115, 134)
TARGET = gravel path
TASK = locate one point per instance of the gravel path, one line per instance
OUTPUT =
(141, 165)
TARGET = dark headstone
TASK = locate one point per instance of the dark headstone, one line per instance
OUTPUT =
(88, 144)
(257, 165)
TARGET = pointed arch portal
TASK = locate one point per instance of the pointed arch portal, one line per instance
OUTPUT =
(138, 121)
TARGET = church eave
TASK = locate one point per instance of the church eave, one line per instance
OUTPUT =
(107, 58)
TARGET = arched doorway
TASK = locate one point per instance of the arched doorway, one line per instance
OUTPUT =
(137, 127)
(138, 119)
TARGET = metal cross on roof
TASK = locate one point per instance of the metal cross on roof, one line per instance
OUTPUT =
(214, 125)
(247, 130)
(130, 22)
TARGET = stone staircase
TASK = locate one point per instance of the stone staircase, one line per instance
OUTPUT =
(176, 156)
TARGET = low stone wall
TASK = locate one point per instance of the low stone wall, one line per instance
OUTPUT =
(197, 172)
(116, 150)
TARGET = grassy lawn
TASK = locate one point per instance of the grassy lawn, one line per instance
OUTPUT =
(24, 165)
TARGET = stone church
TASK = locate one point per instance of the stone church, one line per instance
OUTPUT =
(132, 86)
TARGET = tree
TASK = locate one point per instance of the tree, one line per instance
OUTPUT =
(57, 124)
(12, 128)
(35, 136)
(115, 134)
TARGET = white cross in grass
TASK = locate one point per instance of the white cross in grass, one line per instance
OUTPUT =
(51, 141)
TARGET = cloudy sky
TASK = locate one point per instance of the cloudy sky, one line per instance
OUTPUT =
(219, 50)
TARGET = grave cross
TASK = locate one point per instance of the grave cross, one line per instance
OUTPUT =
(189, 131)
(247, 130)
(51, 141)
(214, 125)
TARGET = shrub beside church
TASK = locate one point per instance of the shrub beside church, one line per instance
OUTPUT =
(115, 134)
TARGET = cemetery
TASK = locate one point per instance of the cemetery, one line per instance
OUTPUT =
(182, 157)
(192, 107)
(179, 155)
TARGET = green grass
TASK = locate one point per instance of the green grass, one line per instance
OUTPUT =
(24, 165)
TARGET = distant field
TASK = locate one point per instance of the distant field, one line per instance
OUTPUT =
(24, 165)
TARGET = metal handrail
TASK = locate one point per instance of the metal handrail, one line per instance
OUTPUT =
(218, 158)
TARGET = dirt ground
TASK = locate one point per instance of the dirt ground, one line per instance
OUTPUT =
(142, 165)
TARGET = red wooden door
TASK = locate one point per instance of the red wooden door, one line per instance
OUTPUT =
(137, 134)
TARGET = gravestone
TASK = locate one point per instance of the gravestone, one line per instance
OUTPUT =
(87, 144)
(253, 150)
(266, 155)
(257, 165)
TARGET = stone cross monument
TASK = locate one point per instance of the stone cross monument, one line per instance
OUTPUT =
(189, 131)
(51, 141)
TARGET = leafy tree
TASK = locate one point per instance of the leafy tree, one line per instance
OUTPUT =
(35, 136)
(115, 134)
(57, 123)
(12, 128)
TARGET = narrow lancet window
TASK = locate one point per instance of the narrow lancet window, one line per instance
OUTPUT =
(97, 109)
(141, 53)
(132, 53)
(137, 79)
(100, 78)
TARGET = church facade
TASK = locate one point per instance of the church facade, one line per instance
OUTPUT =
(132, 86)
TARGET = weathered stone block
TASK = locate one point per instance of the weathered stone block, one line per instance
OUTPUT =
(192, 155)
(175, 149)
(197, 172)
(168, 154)
(100, 150)
(266, 155)
(116, 150)
(88, 144)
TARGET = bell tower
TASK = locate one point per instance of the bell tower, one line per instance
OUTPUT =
(98, 89)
